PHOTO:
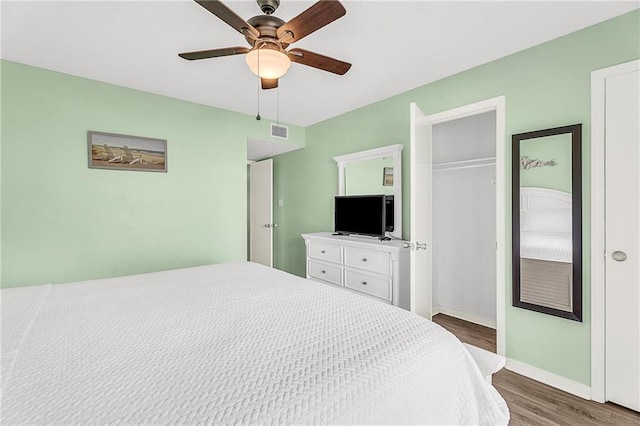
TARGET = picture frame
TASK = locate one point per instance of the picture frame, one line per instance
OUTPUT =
(114, 151)
(387, 176)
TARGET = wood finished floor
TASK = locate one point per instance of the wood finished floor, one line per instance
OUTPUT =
(534, 403)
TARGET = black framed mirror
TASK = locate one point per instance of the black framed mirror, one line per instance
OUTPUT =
(547, 221)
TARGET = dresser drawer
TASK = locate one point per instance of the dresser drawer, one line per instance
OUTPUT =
(325, 252)
(378, 287)
(333, 274)
(368, 260)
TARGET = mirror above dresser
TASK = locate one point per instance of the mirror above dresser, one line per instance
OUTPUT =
(373, 172)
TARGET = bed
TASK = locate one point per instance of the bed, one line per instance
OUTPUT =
(230, 343)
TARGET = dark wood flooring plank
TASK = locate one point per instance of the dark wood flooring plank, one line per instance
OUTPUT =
(474, 334)
(625, 420)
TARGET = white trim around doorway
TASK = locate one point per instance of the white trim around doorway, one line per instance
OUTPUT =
(497, 104)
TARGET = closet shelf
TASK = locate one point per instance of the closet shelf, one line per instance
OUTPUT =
(465, 164)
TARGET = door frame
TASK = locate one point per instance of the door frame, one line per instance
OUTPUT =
(497, 104)
(598, 317)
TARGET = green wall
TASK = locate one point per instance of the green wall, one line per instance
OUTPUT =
(62, 221)
(545, 86)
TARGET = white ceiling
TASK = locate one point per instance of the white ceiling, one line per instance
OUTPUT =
(394, 46)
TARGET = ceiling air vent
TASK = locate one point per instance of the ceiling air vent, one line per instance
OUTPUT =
(280, 132)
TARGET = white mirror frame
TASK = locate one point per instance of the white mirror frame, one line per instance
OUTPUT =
(394, 151)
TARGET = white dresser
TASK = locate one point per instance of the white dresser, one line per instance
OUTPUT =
(379, 269)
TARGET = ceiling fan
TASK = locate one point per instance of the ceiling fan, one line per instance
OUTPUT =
(269, 37)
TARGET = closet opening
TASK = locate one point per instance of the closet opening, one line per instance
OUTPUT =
(464, 218)
(461, 271)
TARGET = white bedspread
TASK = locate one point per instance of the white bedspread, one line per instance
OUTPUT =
(554, 247)
(230, 343)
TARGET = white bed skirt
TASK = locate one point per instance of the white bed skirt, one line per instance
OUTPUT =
(547, 283)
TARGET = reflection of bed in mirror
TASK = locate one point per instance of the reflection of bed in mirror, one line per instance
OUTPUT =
(546, 248)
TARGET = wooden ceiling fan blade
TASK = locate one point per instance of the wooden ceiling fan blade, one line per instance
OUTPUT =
(229, 16)
(317, 16)
(213, 53)
(269, 83)
(319, 61)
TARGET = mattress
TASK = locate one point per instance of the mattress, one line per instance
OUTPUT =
(554, 247)
(230, 343)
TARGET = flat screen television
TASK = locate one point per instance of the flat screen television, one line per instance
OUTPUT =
(364, 214)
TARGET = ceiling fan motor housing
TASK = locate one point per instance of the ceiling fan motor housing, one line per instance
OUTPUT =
(267, 25)
(268, 6)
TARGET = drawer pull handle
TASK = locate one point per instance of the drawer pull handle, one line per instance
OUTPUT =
(322, 251)
(364, 283)
(324, 272)
(364, 259)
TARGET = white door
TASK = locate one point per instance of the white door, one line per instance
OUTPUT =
(420, 280)
(261, 212)
(622, 239)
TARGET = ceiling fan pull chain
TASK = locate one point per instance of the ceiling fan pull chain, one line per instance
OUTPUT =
(278, 105)
(259, 83)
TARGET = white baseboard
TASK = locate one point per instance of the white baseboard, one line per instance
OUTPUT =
(465, 316)
(551, 379)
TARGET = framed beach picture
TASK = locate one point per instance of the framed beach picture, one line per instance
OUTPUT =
(123, 152)
(387, 176)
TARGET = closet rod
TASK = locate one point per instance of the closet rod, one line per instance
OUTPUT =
(465, 164)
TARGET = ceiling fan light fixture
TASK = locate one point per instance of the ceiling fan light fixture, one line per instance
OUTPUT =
(273, 63)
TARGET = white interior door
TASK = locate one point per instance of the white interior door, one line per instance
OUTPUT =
(622, 239)
(420, 279)
(261, 212)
